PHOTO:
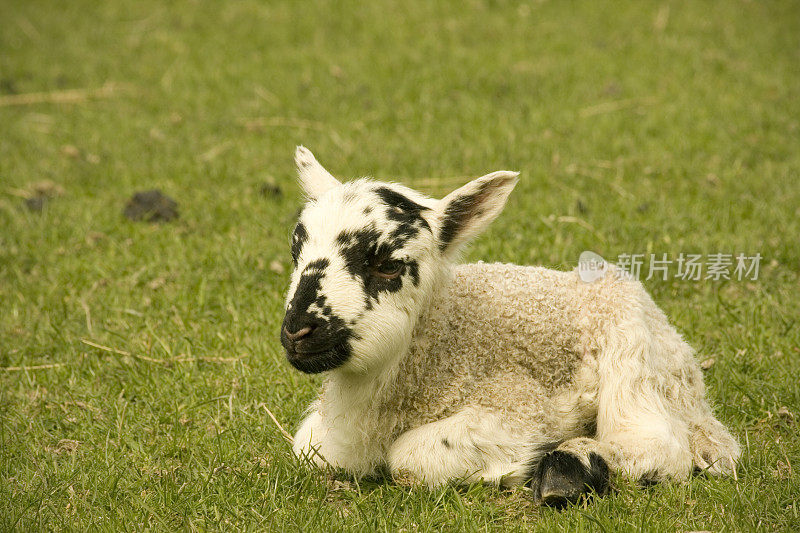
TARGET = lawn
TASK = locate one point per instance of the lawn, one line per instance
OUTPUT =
(139, 361)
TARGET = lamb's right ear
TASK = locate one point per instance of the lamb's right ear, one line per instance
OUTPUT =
(467, 211)
(314, 179)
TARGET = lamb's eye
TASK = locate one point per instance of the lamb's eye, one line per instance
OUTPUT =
(389, 269)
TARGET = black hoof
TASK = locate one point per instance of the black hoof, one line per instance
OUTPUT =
(562, 479)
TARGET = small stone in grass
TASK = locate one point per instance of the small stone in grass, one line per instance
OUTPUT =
(151, 206)
(708, 363)
(38, 194)
(277, 267)
(785, 414)
(46, 188)
(71, 151)
(65, 446)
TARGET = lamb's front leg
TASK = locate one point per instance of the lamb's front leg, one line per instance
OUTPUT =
(309, 439)
(472, 445)
(325, 443)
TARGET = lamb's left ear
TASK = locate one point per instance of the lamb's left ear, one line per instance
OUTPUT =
(314, 179)
(467, 211)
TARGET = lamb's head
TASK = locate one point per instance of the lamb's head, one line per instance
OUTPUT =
(368, 256)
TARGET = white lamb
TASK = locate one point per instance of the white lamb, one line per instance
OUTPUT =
(502, 373)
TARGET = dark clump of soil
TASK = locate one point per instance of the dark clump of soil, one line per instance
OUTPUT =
(269, 189)
(8, 86)
(35, 203)
(151, 206)
(37, 195)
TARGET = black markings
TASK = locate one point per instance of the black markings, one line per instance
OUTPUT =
(446, 443)
(561, 478)
(314, 363)
(456, 215)
(327, 346)
(365, 249)
(372, 255)
(309, 287)
(465, 208)
(299, 238)
(362, 251)
(405, 212)
(405, 208)
(413, 270)
(357, 247)
(649, 479)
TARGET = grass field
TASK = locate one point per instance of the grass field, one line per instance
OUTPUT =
(139, 360)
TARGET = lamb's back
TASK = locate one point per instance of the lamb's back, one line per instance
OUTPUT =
(505, 337)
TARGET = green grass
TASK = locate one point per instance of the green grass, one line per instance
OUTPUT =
(638, 127)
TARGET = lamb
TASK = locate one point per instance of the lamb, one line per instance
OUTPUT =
(497, 373)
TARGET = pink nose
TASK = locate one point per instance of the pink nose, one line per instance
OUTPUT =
(299, 334)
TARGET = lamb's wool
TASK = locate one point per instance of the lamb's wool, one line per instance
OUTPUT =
(520, 345)
(474, 371)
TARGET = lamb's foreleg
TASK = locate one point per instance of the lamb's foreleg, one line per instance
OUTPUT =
(472, 445)
(308, 441)
(324, 444)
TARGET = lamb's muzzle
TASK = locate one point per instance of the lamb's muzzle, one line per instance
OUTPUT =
(501, 373)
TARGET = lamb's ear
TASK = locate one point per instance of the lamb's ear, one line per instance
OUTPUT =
(467, 211)
(314, 179)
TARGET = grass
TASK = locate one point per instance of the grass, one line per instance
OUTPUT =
(139, 360)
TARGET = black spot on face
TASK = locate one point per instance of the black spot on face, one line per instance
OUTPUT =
(364, 250)
(308, 289)
(299, 238)
(405, 212)
(446, 443)
(413, 270)
(405, 204)
(327, 345)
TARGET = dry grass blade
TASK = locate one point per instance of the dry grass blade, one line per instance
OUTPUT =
(616, 105)
(180, 359)
(282, 122)
(71, 96)
(31, 367)
(285, 433)
(183, 359)
(122, 352)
